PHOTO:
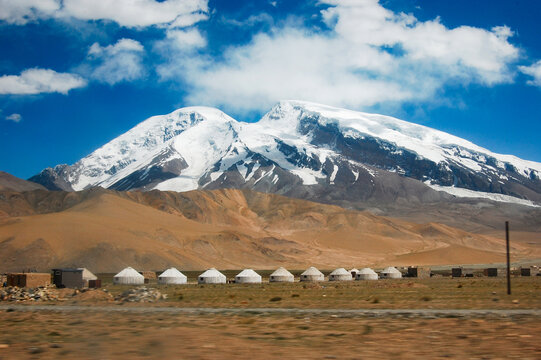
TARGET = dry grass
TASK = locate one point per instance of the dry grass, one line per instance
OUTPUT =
(50, 335)
(437, 293)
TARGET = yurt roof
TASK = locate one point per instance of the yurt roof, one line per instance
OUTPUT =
(354, 269)
(367, 271)
(172, 273)
(248, 273)
(87, 274)
(129, 272)
(212, 272)
(281, 272)
(390, 269)
(340, 271)
(312, 271)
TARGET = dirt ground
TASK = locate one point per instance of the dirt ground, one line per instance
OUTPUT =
(52, 335)
(92, 330)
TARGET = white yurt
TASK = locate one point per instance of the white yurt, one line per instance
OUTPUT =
(248, 276)
(366, 274)
(211, 276)
(390, 272)
(87, 275)
(129, 276)
(312, 274)
(172, 276)
(281, 275)
(354, 272)
(340, 274)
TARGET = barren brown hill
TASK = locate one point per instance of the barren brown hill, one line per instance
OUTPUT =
(107, 230)
(9, 182)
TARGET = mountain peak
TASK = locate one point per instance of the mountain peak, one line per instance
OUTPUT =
(301, 149)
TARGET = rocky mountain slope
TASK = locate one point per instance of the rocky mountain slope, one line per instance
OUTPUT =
(107, 230)
(301, 150)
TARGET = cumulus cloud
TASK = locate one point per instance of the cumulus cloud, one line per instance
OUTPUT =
(36, 81)
(14, 117)
(22, 11)
(534, 71)
(185, 39)
(371, 55)
(129, 13)
(116, 63)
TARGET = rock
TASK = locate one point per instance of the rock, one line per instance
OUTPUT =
(141, 294)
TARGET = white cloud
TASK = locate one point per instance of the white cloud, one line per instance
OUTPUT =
(137, 13)
(14, 117)
(185, 39)
(371, 56)
(116, 63)
(129, 13)
(22, 11)
(534, 71)
(36, 81)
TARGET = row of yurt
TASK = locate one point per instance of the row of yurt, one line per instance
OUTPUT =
(248, 276)
(366, 274)
(130, 276)
(390, 272)
(312, 274)
(340, 274)
(172, 276)
(281, 275)
(211, 276)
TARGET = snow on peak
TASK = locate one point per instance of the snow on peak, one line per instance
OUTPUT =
(103, 166)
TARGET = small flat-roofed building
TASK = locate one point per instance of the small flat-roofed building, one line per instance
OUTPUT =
(491, 272)
(529, 271)
(456, 272)
(148, 275)
(68, 278)
(28, 280)
(419, 272)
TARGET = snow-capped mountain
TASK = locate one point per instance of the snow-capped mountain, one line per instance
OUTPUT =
(303, 150)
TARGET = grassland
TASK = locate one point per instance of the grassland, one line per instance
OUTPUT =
(436, 292)
(92, 333)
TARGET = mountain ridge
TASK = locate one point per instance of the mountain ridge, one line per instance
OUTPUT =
(107, 230)
(302, 150)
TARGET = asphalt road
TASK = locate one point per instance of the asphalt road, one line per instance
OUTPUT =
(423, 313)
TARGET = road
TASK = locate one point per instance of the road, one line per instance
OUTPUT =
(423, 313)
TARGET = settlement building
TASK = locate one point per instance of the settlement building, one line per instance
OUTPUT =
(129, 276)
(354, 272)
(366, 274)
(248, 276)
(211, 276)
(88, 276)
(312, 274)
(172, 276)
(340, 274)
(68, 278)
(390, 272)
(281, 275)
(28, 280)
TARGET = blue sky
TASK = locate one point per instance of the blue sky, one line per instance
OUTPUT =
(74, 74)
